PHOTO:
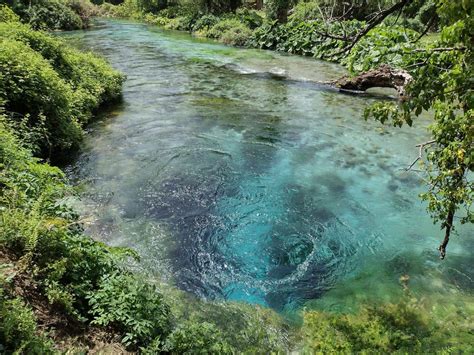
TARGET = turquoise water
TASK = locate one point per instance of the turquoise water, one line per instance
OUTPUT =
(235, 176)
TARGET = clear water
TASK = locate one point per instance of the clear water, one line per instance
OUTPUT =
(236, 177)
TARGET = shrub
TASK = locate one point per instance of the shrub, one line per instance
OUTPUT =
(84, 9)
(153, 6)
(205, 22)
(128, 9)
(250, 18)
(305, 11)
(18, 332)
(68, 265)
(181, 23)
(224, 25)
(59, 88)
(43, 232)
(236, 36)
(131, 305)
(7, 14)
(51, 14)
(31, 88)
(156, 20)
(108, 10)
(197, 338)
(174, 11)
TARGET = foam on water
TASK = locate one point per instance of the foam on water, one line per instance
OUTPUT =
(236, 177)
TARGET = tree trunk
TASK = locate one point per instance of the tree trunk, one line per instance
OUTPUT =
(282, 14)
(449, 226)
(259, 4)
(384, 76)
(234, 5)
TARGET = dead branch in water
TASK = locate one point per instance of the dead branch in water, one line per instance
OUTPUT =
(384, 76)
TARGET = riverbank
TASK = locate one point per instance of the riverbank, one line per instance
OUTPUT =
(303, 34)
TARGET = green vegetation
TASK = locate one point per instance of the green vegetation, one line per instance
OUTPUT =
(406, 327)
(133, 306)
(48, 92)
(54, 14)
(51, 90)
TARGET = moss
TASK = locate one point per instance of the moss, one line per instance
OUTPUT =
(405, 327)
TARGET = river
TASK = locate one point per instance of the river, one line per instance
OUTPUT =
(236, 177)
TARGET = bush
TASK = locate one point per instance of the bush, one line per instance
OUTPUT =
(197, 338)
(31, 88)
(60, 88)
(56, 14)
(46, 237)
(305, 11)
(127, 9)
(250, 18)
(175, 11)
(236, 36)
(84, 9)
(18, 332)
(43, 233)
(153, 6)
(50, 14)
(224, 25)
(7, 14)
(205, 22)
(131, 305)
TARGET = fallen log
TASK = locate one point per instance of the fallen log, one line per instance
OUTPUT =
(384, 76)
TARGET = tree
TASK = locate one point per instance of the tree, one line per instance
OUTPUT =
(442, 75)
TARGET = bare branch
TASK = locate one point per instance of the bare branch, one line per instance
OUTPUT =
(373, 22)
(421, 146)
(440, 49)
(427, 28)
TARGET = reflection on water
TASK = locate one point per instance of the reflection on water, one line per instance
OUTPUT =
(233, 182)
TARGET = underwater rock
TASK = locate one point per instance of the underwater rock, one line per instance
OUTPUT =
(333, 182)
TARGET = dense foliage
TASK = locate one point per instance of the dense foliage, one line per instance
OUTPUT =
(54, 14)
(51, 90)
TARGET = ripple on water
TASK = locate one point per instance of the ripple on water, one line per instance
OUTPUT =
(236, 184)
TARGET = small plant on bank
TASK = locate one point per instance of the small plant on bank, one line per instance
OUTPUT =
(131, 305)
